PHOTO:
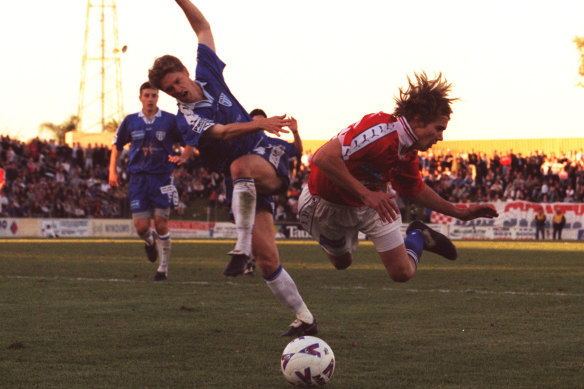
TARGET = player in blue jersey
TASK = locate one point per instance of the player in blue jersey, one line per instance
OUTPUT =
(151, 134)
(211, 119)
(293, 151)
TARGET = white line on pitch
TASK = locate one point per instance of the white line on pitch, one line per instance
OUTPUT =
(356, 287)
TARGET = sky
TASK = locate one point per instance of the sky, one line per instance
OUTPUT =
(512, 63)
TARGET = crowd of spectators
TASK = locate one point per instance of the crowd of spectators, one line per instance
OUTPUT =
(505, 176)
(46, 180)
(43, 179)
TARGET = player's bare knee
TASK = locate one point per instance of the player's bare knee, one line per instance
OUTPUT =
(400, 274)
(268, 185)
(268, 264)
(161, 227)
(240, 169)
(342, 265)
(401, 277)
(141, 231)
(343, 262)
(141, 228)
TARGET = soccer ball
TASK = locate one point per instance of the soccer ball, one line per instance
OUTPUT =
(308, 361)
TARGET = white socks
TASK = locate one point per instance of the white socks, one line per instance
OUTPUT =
(243, 206)
(163, 242)
(284, 288)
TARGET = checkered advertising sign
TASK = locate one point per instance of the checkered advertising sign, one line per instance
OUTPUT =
(516, 221)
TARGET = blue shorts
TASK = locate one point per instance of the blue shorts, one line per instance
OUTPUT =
(272, 151)
(278, 156)
(151, 191)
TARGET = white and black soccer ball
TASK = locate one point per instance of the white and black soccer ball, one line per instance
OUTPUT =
(308, 361)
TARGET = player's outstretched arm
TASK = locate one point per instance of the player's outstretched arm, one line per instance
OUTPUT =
(274, 125)
(200, 25)
(430, 199)
(479, 210)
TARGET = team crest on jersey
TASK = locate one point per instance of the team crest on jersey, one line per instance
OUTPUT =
(224, 100)
(160, 135)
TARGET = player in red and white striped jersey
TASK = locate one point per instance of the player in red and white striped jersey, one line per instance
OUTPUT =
(348, 188)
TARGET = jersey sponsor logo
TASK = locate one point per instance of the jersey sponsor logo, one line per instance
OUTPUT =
(199, 124)
(147, 149)
(224, 100)
(160, 135)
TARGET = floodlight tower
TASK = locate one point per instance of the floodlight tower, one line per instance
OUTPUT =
(100, 92)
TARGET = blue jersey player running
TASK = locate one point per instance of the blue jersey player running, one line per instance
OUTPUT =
(151, 134)
(211, 119)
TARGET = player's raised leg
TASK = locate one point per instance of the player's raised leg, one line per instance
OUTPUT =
(434, 241)
(399, 256)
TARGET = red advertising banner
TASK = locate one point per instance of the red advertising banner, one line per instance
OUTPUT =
(517, 221)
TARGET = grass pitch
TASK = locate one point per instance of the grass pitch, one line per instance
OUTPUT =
(85, 314)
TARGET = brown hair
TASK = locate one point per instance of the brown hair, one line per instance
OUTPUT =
(426, 99)
(146, 85)
(161, 67)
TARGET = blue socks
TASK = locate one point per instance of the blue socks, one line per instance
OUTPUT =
(414, 243)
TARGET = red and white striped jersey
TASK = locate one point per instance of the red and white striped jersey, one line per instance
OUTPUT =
(376, 150)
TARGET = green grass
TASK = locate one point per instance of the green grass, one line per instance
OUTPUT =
(86, 315)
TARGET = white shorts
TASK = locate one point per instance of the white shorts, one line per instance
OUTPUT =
(336, 227)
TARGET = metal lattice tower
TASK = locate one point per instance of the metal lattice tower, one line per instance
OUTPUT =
(100, 92)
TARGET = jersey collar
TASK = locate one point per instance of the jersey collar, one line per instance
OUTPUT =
(156, 115)
(206, 102)
(407, 138)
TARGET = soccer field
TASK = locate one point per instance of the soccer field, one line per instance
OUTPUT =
(85, 314)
